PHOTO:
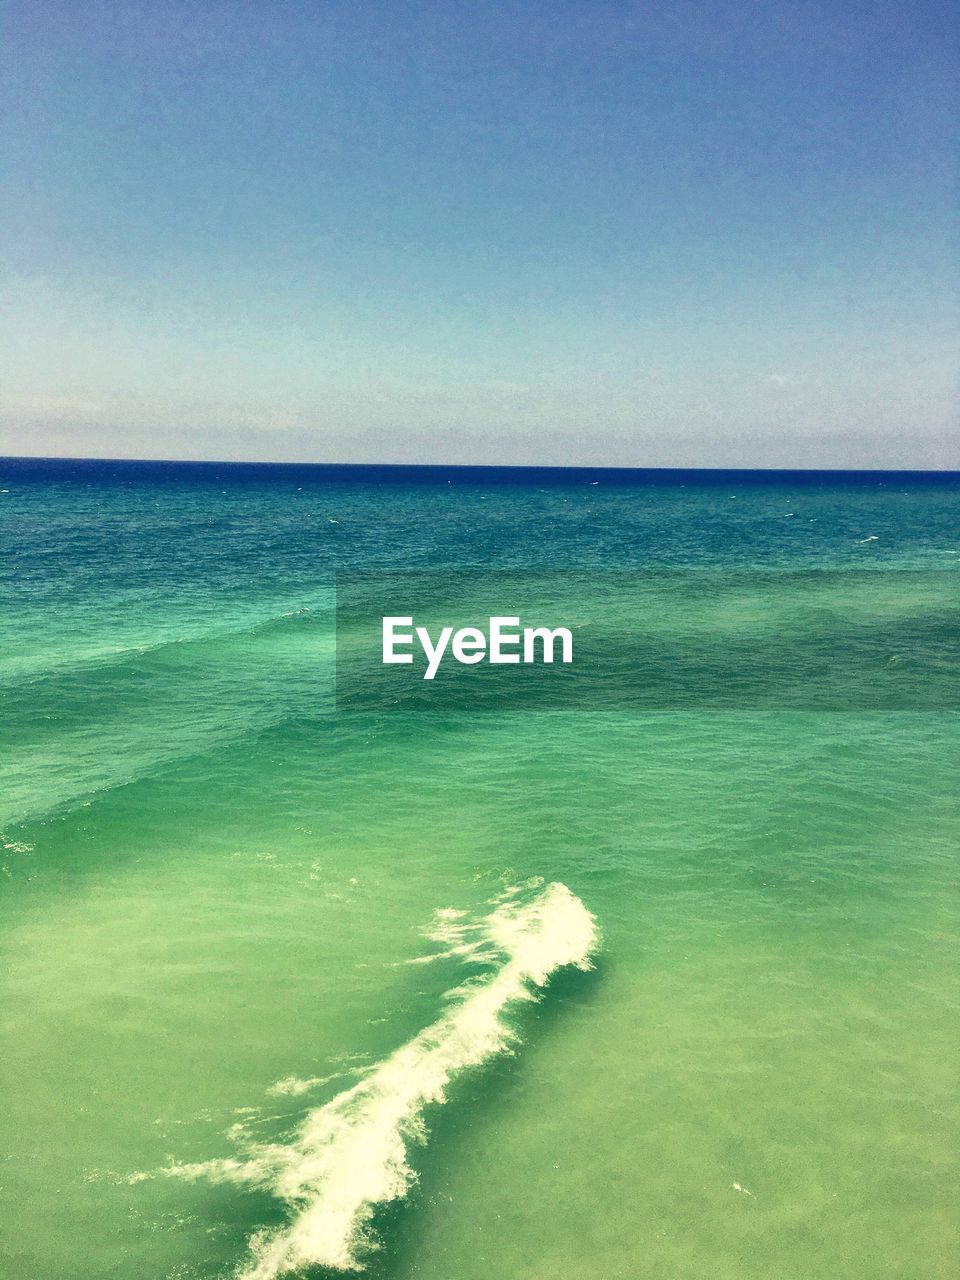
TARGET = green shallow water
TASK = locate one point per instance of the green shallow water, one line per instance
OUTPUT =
(214, 882)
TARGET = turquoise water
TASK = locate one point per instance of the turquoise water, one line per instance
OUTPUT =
(237, 923)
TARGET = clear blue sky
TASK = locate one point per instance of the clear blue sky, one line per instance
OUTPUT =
(651, 234)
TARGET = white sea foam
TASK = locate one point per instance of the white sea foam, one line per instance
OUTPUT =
(350, 1155)
(293, 1087)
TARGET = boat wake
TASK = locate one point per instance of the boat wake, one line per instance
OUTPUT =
(350, 1155)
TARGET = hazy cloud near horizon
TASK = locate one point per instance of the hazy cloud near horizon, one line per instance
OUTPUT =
(701, 235)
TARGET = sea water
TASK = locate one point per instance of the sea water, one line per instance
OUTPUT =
(289, 989)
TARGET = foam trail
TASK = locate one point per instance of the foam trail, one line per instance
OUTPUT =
(350, 1155)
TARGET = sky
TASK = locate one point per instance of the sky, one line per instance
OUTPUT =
(713, 233)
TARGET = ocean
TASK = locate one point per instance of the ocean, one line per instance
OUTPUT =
(296, 988)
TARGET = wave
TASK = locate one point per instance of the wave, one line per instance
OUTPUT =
(350, 1155)
(37, 668)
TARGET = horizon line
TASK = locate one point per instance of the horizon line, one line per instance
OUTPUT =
(483, 466)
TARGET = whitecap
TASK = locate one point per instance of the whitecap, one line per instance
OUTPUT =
(351, 1155)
